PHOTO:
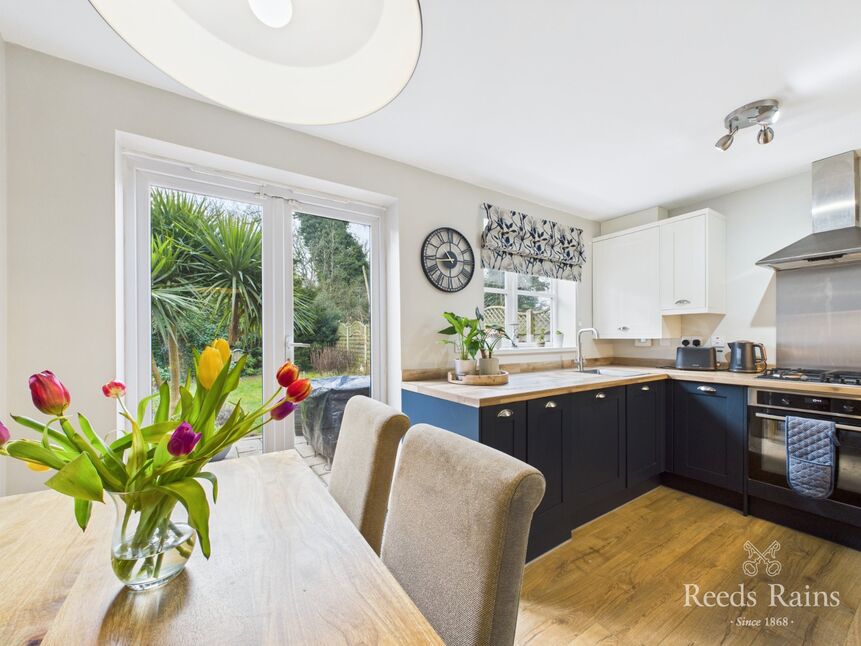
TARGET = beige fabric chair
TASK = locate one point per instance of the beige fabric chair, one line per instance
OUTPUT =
(456, 533)
(364, 461)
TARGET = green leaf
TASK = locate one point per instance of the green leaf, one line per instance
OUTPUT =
(152, 434)
(206, 475)
(142, 406)
(138, 454)
(78, 479)
(161, 455)
(83, 509)
(193, 498)
(114, 463)
(57, 437)
(114, 480)
(163, 411)
(34, 452)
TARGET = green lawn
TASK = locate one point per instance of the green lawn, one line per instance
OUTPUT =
(250, 390)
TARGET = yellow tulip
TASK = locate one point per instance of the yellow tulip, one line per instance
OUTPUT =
(209, 366)
(37, 467)
(222, 346)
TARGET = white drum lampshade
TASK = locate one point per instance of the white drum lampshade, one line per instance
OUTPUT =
(306, 62)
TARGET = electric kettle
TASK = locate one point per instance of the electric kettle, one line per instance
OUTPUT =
(742, 357)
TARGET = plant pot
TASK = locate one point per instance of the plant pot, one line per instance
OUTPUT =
(559, 340)
(464, 366)
(152, 541)
(488, 366)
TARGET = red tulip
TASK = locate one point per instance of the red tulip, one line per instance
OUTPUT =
(4, 434)
(299, 390)
(183, 440)
(49, 394)
(287, 374)
(282, 409)
(115, 389)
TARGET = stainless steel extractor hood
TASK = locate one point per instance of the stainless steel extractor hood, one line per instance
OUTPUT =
(836, 234)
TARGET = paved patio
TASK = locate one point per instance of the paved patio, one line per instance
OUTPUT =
(253, 445)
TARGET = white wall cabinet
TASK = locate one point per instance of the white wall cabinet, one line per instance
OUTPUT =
(693, 263)
(646, 277)
(626, 270)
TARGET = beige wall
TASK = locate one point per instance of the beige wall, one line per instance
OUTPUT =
(760, 220)
(62, 120)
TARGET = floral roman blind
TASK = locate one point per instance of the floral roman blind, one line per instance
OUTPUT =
(514, 241)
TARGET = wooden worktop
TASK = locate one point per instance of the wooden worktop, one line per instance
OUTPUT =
(534, 385)
(287, 567)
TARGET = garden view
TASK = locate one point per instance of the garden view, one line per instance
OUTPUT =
(207, 262)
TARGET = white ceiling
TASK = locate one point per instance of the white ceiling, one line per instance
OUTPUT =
(599, 108)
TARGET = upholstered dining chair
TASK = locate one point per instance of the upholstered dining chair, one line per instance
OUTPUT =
(361, 476)
(456, 533)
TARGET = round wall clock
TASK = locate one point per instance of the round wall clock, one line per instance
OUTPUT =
(447, 259)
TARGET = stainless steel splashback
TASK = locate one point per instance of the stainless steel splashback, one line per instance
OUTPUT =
(819, 317)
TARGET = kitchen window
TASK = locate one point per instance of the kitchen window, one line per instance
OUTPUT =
(528, 305)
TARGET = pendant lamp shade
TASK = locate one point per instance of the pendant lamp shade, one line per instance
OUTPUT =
(304, 62)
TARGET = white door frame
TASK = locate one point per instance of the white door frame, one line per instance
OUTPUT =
(278, 204)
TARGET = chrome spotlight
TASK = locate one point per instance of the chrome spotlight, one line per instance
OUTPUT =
(765, 135)
(762, 113)
(726, 141)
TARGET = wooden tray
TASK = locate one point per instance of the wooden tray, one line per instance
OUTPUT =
(479, 380)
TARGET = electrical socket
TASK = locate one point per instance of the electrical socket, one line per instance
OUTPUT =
(691, 339)
(717, 342)
(642, 343)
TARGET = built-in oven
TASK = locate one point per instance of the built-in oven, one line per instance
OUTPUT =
(766, 464)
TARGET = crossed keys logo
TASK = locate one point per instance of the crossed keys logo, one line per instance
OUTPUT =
(767, 558)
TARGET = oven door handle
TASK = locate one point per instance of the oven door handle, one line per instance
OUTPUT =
(777, 418)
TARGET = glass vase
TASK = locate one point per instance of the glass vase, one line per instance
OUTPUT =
(152, 539)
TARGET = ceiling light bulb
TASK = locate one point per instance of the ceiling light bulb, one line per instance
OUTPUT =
(272, 13)
(725, 142)
(765, 135)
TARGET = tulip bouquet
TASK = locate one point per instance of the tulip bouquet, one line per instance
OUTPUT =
(156, 465)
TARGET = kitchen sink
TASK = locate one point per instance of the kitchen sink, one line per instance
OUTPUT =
(613, 372)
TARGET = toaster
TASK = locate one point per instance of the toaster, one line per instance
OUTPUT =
(696, 358)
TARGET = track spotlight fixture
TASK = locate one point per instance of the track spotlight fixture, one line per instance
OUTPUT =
(762, 113)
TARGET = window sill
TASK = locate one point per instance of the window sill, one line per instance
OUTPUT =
(509, 352)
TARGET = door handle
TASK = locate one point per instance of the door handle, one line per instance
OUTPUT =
(600, 396)
(683, 301)
(645, 388)
(505, 412)
(707, 389)
(550, 404)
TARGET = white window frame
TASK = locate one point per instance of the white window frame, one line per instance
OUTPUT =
(278, 204)
(511, 292)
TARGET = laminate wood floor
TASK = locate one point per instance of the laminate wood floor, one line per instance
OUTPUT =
(621, 580)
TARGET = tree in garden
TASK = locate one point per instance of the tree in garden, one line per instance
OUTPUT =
(174, 296)
(228, 265)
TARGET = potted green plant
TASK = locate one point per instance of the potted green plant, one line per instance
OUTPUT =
(560, 339)
(540, 337)
(465, 341)
(489, 336)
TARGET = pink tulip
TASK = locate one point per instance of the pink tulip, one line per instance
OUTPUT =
(183, 440)
(114, 389)
(4, 434)
(49, 394)
(282, 410)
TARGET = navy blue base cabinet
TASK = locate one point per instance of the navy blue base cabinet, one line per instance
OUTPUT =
(709, 427)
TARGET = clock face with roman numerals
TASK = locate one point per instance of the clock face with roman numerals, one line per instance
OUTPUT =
(447, 259)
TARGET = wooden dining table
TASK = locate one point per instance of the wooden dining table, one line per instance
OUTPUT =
(287, 567)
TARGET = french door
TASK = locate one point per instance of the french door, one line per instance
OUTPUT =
(210, 256)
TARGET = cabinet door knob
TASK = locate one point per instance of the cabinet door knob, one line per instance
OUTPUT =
(646, 388)
(550, 404)
(505, 412)
(683, 301)
(624, 328)
(707, 389)
(600, 396)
